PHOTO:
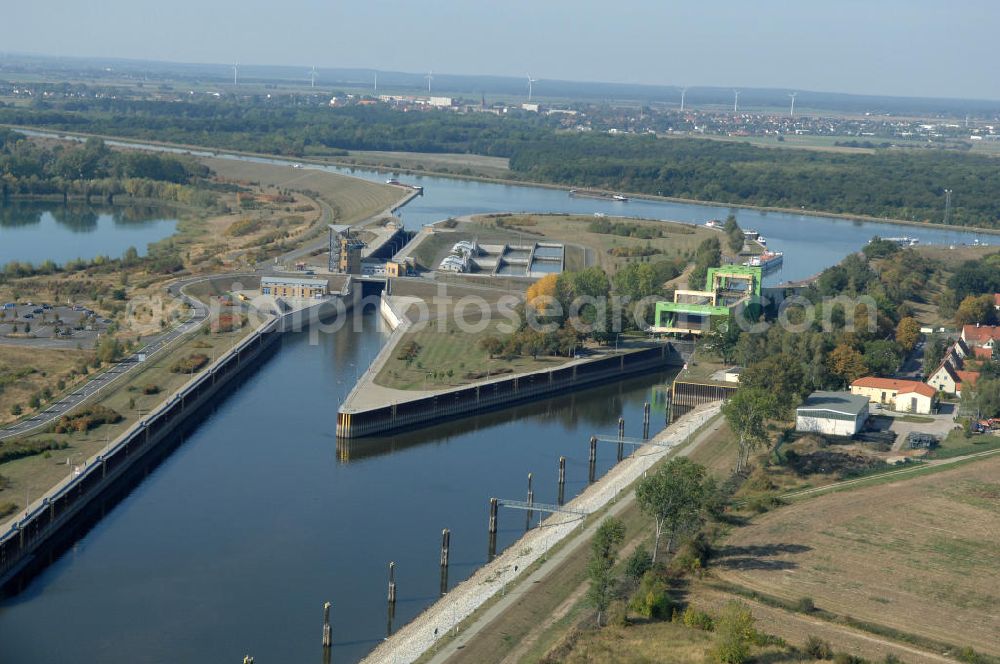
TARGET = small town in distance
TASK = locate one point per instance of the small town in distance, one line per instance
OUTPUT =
(461, 345)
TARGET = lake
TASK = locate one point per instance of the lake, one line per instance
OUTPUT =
(34, 232)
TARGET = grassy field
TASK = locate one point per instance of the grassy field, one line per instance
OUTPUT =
(459, 164)
(25, 371)
(35, 474)
(886, 554)
(449, 350)
(353, 200)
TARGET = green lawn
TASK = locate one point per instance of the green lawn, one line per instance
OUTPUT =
(441, 351)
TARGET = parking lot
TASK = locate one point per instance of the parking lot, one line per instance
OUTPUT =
(42, 324)
(902, 424)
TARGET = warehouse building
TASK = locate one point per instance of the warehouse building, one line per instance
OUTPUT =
(292, 287)
(832, 414)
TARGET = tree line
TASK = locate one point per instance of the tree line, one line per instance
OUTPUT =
(889, 183)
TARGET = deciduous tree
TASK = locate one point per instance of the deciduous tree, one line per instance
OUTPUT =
(908, 333)
(603, 553)
(674, 496)
(747, 413)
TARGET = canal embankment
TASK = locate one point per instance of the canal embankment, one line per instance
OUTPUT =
(448, 613)
(372, 409)
(46, 518)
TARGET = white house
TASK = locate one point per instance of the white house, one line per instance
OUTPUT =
(908, 396)
(832, 414)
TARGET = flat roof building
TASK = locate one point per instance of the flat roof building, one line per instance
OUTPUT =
(294, 287)
(832, 413)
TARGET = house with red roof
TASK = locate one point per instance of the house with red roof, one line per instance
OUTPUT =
(907, 396)
(981, 335)
(983, 354)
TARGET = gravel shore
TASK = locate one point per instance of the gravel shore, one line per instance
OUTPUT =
(414, 639)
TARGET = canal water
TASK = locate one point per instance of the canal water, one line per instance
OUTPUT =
(232, 545)
(34, 232)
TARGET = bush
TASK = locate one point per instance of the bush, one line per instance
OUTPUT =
(16, 409)
(7, 508)
(638, 564)
(735, 628)
(805, 605)
(763, 502)
(651, 599)
(190, 364)
(696, 619)
(151, 389)
(19, 448)
(817, 648)
(86, 419)
(970, 656)
(847, 658)
(693, 555)
(618, 614)
(409, 351)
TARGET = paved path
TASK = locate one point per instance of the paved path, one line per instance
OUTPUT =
(117, 371)
(421, 634)
(576, 548)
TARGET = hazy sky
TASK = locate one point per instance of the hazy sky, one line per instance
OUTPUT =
(895, 47)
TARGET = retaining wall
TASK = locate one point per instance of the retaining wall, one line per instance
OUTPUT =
(499, 393)
(56, 510)
(686, 396)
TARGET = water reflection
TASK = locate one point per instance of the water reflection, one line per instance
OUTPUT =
(35, 231)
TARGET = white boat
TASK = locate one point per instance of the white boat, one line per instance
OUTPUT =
(296, 165)
(904, 241)
(769, 260)
(619, 197)
(713, 223)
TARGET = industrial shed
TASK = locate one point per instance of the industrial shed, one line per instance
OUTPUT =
(832, 414)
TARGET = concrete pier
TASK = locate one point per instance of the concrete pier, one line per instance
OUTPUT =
(372, 409)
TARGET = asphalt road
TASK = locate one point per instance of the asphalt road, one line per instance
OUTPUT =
(115, 373)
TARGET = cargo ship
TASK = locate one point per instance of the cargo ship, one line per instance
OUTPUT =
(767, 261)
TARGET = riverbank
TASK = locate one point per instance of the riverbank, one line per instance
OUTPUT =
(422, 633)
(514, 181)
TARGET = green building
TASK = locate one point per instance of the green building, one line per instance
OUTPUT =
(728, 289)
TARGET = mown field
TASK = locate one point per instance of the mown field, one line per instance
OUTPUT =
(446, 356)
(918, 556)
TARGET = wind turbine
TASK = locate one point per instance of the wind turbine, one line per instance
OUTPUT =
(736, 101)
(791, 113)
(429, 77)
(375, 93)
(236, 74)
(530, 81)
(684, 92)
(312, 77)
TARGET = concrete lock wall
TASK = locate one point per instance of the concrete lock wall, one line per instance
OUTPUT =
(504, 392)
(56, 511)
